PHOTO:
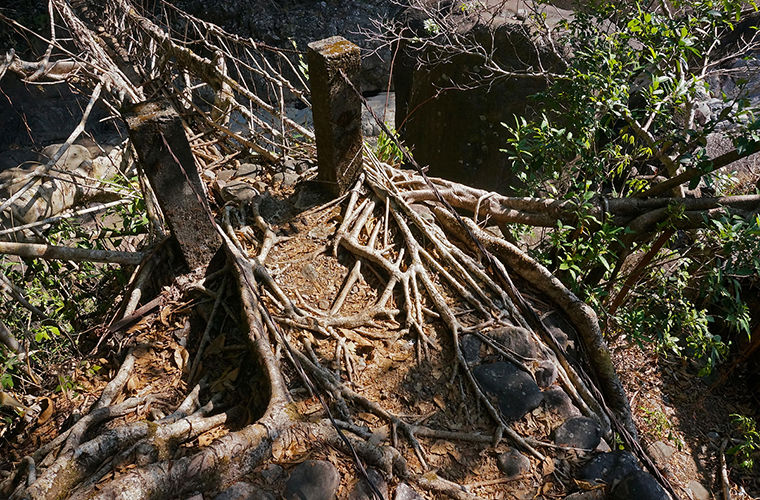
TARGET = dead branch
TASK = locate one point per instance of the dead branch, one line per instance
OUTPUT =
(35, 250)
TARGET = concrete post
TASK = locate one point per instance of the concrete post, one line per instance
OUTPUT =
(337, 111)
(156, 132)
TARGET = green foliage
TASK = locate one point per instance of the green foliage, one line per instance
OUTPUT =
(644, 72)
(602, 129)
(748, 448)
(74, 296)
(387, 149)
(660, 426)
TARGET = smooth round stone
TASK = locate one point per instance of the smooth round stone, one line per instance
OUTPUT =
(244, 491)
(608, 468)
(471, 349)
(579, 432)
(515, 339)
(406, 492)
(312, 479)
(362, 490)
(516, 391)
(638, 485)
(545, 374)
(557, 401)
(513, 464)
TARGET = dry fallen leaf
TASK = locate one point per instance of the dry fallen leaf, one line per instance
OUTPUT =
(180, 357)
(437, 399)
(132, 383)
(47, 406)
(163, 316)
(205, 439)
(548, 466)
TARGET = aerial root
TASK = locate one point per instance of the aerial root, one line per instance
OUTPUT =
(581, 315)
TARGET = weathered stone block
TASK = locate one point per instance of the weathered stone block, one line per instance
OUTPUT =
(156, 131)
(337, 111)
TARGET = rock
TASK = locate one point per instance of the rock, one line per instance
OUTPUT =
(224, 174)
(406, 492)
(516, 391)
(603, 447)
(698, 492)
(272, 472)
(460, 133)
(557, 401)
(545, 374)
(36, 114)
(608, 468)
(362, 491)
(597, 494)
(244, 491)
(282, 24)
(248, 170)
(516, 339)
(638, 485)
(513, 464)
(471, 349)
(286, 178)
(312, 479)
(660, 453)
(196, 496)
(239, 192)
(560, 328)
(579, 432)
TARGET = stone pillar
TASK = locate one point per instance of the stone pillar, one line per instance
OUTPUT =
(337, 111)
(156, 132)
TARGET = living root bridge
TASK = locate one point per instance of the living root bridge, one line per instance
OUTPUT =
(425, 289)
(641, 214)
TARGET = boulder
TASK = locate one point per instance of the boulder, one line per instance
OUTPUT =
(513, 464)
(362, 490)
(638, 485)
(449, 107)
(608, 468)
(579, 432)
(557, 401)
(312, 479)
(515, 390)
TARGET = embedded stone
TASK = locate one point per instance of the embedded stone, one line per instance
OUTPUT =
(597, 494)
(698, 491)
(545, 374)
(660, 453)
(406, 492)
(513, 464)
(607, 468)
(579, 432)
(272, 472)
(560, 328)
(471, 349)
(638, 485)
(312, 479)
(516, 339)
(243, 491)
(557, 401)
(515, 390)
(363, 491)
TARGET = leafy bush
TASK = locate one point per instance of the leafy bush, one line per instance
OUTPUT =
(625, 112)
